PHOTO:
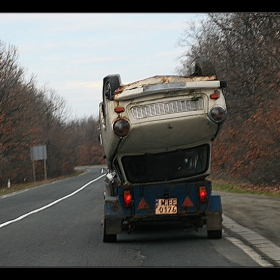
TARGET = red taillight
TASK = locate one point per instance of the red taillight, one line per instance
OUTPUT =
(202, 194)
(127, 198)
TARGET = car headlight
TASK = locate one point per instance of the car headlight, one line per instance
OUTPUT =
(217, 114)
(121, 127)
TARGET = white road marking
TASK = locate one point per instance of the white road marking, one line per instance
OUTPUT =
(250, 252)
(246, 249)
(48, 205)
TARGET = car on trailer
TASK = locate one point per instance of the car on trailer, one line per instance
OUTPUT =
(157, 135)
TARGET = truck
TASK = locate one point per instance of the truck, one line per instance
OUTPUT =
(157, 135)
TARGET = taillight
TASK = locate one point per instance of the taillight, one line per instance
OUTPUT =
(127, 198)
(202, 194)
(121, 127)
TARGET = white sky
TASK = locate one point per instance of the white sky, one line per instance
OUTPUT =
(71, 53)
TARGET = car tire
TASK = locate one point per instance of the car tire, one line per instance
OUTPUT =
(110, 84)
(108, 237)
(214, 234)
(204, 67)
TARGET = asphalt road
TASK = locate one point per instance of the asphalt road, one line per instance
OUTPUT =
(255, 220)
(50, 237)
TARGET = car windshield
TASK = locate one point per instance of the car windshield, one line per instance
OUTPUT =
(166, 166)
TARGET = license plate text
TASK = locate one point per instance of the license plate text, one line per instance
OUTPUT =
(166, 206)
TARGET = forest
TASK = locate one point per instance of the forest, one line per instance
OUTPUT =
(244, 47)
(32, 116)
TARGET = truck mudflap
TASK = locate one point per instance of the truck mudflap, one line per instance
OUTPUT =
(113, 215)
(214, 217)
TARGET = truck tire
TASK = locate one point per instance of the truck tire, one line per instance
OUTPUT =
(214, 234)
(110, 84)
(203, 67)
(108, 237)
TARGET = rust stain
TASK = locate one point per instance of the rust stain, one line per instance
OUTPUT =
(161, 79)
(165, 79)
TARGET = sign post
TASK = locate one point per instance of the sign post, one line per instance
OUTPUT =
(39, 153)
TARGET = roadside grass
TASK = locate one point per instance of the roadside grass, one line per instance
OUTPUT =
(21, 187)
(245, 188)
(217, 185)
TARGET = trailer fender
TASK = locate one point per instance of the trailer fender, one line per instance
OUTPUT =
(113, 215)
(214, 214)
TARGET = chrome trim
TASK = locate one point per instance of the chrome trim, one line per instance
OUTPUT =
(165, 108)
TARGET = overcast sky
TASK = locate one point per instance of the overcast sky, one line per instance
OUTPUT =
(71, 53)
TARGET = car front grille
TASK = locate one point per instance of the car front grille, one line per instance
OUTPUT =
(165, 108)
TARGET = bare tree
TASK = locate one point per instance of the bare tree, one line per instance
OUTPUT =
(244, 49)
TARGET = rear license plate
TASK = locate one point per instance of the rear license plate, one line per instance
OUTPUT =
(166, 206)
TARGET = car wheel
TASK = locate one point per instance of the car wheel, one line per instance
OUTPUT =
(110, 84)
(214, 234)
(108, 237)
(203, 67)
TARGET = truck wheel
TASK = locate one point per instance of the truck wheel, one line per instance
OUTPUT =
(214, 234)
(203, 67)
(110, 84)
(108, 237)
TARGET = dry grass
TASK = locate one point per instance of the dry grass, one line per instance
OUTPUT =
(220, 185)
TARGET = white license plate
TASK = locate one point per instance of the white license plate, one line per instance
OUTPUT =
(166, 206)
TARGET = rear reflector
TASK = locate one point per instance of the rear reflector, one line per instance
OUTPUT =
(187, 202)
(143, 204)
